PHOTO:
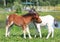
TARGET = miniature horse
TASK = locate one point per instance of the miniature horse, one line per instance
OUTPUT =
(48, 21)
(22, 21)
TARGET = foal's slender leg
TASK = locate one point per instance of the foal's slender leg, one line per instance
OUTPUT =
(39, 30)
(49, 32)
(27, 29)
(24, 31)
(8, 29)
(52, 32)
(6, 34)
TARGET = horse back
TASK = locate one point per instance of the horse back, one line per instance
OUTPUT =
(18, 20)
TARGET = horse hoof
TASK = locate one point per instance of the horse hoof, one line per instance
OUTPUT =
(46, 38)
(35, 36)
(24, 38)
(6, 35)
(30, 38)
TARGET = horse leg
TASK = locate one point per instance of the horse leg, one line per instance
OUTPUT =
(6, 34)
(38, 30)
(24, 31)
(8, 29)
(27, 29)
(52, 32)
(49, 32)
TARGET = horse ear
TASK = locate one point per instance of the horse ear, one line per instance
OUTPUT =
(35, 11)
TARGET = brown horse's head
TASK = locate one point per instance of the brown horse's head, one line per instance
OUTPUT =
(36, 18)
(35, 15)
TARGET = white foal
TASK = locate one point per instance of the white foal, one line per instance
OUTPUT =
(49, 21)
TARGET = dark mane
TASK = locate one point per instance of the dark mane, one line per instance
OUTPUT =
(28, 14)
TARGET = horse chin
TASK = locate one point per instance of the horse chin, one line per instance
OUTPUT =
(38, 22)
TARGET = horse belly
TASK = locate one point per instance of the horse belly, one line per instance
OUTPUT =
(18, 22)
(48, 19)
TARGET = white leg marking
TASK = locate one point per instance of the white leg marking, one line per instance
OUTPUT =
(27, 29)
(35, 35)
(24, 31)
(39, 30)
(6, 34)
(49, 32)
(52, 32)
(8, 29)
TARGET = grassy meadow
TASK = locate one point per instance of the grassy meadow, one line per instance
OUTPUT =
(16, 35)
(16, 32)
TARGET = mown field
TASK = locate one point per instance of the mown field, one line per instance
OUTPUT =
(17, 34)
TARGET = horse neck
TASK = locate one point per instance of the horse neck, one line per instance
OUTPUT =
(28, 17)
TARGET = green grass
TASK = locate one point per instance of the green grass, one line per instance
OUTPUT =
(16, 35)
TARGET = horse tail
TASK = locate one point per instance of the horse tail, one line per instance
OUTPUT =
(55, 23)
(7, 19)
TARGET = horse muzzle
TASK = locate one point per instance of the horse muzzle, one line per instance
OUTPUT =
(39, 22)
